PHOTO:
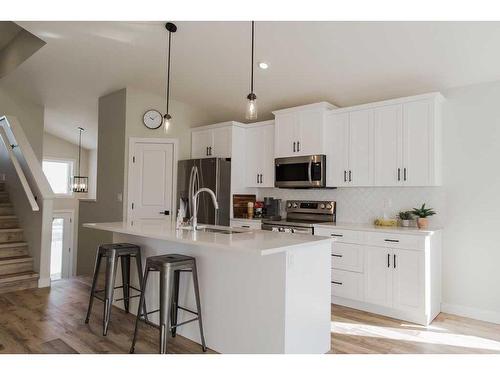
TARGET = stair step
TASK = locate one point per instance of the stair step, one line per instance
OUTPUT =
(4, 197)
(9, 222)
(12, 249)
(18, 281)
(16, 264)
(11, 235)
(2, 186)
(6, 209)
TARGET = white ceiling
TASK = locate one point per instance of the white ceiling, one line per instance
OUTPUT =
(341, 62)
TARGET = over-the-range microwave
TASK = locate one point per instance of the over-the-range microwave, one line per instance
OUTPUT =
(300, 172)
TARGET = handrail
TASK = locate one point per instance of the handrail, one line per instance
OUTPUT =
(19, 171)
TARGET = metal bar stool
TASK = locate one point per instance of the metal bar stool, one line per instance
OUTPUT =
(123, 251)
(170, 266)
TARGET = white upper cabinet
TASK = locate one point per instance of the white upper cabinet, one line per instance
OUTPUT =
(212, 141)
(349, 148)
(299, 131)
(260, 154)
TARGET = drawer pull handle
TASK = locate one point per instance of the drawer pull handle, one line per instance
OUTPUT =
(336, 283)
(336, 235)
(389, 240)
(394, 260)
(245, 226)
(337, 255)
(388, 260)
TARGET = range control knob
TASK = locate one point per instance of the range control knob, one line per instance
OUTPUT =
(322, 206)
(289, 205)
(329, 206)
(295, 205)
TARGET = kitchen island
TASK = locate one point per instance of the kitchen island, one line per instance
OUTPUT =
(261, 291)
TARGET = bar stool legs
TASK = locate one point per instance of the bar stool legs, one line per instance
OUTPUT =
(125, 263)
(166, 289)
(175, 303)
(198, 304)
(141, 303)
(109, 290)
(94, 284)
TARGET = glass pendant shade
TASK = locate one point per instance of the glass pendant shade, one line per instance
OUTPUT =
(251, 112)
(167, 119)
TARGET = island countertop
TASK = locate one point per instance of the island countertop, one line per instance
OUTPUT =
(258, 241)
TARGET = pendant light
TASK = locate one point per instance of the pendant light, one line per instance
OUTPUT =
(251, 112)
(80, 183)
(167, 118)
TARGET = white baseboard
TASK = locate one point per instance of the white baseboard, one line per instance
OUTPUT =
(471, 312)
(44, 282)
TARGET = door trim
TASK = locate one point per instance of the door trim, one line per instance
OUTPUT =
(131, 146)
(72, 240)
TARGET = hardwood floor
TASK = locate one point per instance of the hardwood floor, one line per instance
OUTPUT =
(51, 321)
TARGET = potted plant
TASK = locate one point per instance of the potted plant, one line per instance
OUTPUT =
(406, 217)
(422, 214)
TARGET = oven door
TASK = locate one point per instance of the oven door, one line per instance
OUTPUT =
(300, 172)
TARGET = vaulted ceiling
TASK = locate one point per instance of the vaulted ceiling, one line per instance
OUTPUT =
(341, 62)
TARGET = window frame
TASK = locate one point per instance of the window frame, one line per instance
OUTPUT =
(72, 163)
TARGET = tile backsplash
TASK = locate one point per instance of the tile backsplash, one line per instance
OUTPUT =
(364, 204)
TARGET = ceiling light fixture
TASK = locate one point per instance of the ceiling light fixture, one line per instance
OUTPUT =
(167, 118)
(80, 183)
(263, 65)
(251, 112)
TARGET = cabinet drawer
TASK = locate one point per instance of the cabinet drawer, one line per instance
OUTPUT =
(396, 241)
(347, 284)
(340, 235)
(248, 224)
(348, 257)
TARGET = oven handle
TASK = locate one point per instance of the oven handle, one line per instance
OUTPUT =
(309, 171)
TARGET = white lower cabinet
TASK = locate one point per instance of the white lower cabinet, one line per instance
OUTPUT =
(387, 273)
(246, 223)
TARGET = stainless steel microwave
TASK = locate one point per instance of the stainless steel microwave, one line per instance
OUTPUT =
(300, 172)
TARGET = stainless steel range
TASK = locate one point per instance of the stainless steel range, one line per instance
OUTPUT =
(301, 216)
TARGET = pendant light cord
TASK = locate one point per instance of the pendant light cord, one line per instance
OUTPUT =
(79, 149)
(251, 81)
(168, 68)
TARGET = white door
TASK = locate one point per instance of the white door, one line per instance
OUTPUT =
(310, 133)
(417, 131)
(201, 141)
(388, 127)
(337, 134)
(266, 149)
(408, 280)
(222, 143)
(151, 180)
(285, 135)
(253, 152)
(361, 148)
(378, 276)
(61, 252)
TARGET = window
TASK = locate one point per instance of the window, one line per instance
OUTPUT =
(59, 173)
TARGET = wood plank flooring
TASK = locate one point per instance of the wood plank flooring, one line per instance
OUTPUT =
(52, 321)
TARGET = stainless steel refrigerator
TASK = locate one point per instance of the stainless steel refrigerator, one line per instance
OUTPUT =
(212, 173)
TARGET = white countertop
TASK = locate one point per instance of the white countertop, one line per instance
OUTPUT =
(381, 229)
(258, 241)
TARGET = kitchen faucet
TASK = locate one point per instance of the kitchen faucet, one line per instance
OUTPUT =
(194, 219)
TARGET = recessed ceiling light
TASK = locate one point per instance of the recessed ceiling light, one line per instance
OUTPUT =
(263, 65)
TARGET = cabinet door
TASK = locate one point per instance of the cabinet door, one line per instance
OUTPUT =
(201, 140)
(388, 127)
(265, 148)
(418, 152)
(310, 133)
(408, 280)
(361, 148)
(378, 276)
(337, 154)
(253, 151)
(222, 142)
(285, 135)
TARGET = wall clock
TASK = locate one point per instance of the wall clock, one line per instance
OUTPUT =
(152, 119)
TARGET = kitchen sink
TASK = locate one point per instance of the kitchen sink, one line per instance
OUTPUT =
(220, 230)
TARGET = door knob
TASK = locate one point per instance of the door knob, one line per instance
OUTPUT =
(166, 212)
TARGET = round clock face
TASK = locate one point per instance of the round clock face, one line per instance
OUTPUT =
(152, 119)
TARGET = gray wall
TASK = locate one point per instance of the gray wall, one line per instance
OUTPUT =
(110, 175)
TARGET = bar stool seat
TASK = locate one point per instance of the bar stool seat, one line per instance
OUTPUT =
(112, 252)
(169, 266)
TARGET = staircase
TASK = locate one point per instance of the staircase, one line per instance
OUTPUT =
(16, 266)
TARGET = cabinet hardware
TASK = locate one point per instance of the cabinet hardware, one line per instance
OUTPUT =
(245, 226)
(388, 260)
(260, 178)
(394, 261)
(389, 240)
(206, 151)
(345, 176)
(404, 173)
(337, 255)
(399, 174)
(336, 283)
(210, 150)
(257, 178)
(350, 179)
(294, 147)
(298, 146)
(336, 235)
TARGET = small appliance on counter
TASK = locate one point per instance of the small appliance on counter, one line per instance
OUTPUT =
(240, 205)
(272, 208)
(301, 217)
